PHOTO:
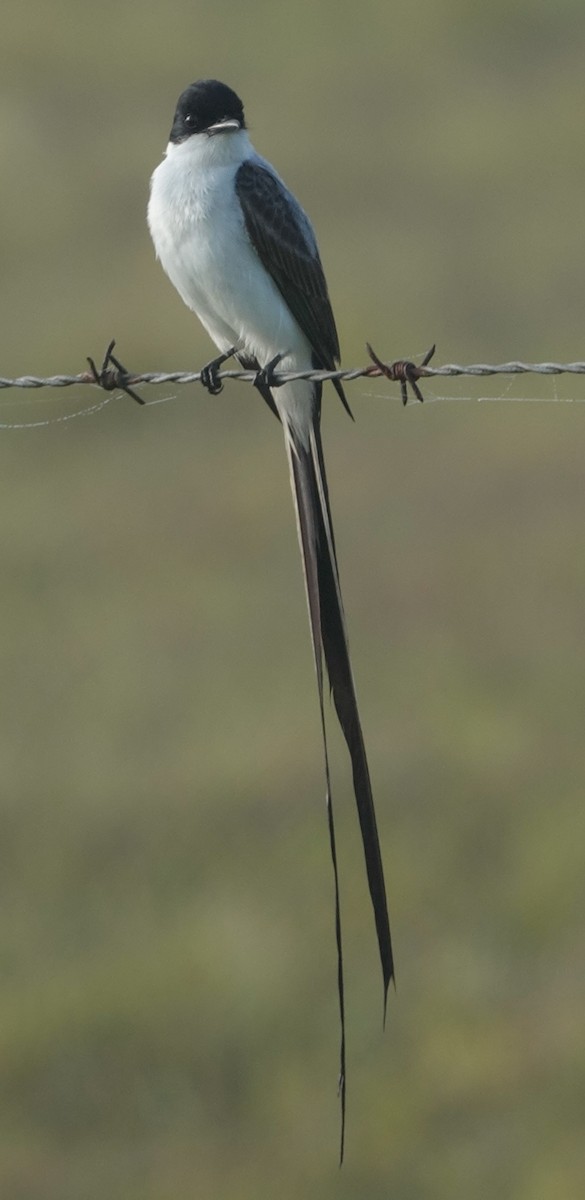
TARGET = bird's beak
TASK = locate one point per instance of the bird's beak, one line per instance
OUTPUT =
(223, 127)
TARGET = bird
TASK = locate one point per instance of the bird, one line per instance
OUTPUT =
(243, 256)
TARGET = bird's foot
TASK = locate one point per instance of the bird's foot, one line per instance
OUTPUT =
(209, 373)
(265, 377)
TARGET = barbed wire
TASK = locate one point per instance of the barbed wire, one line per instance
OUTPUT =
(112, 376)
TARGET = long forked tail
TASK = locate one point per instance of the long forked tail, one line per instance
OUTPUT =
(329, 639)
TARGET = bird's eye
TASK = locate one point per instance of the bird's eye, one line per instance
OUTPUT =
(189, 118)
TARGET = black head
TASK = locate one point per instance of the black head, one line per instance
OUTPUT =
(207, 107)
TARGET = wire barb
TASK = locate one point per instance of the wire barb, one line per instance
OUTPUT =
(403, 371)
(112, 375)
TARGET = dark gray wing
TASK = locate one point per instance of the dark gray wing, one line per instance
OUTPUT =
(285, 244)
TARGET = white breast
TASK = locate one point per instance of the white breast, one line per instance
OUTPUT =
(199, 235)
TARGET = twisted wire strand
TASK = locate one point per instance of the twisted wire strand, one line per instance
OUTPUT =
(121, 379)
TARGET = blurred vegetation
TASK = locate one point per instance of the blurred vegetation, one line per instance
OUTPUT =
(168, 1021)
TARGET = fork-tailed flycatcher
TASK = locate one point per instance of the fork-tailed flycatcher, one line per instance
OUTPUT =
(243, 256)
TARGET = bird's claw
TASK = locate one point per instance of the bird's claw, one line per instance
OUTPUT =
(265, 377)
(209, 373)
(404, 372)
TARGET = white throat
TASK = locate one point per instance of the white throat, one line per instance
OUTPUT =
(218, 150)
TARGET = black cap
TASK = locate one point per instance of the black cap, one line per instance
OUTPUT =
(207, 106)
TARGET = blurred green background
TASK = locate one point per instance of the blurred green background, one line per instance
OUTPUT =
(168, 1024)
